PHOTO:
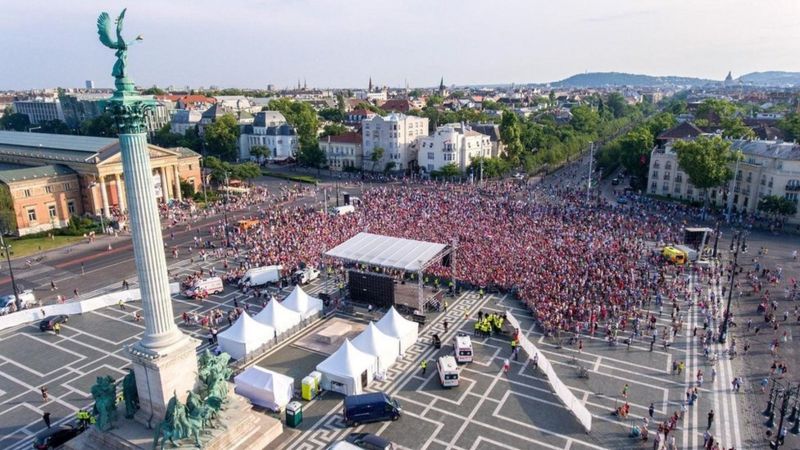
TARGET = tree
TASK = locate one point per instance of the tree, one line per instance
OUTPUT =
(448, 170)
(377, 155)
(660, 123)
(187, 189)
(101, 126)
(14, 121)
(8, 218)
(260, 151)
(634, 152)
(617, 104)
(244, 171)
(221, 137)
(390, 166)
(311, 156)
(300, 115)
(333, 129)
(706, 161)
(155, 90)
(54, 126)
(510, 133)
(734, 127)
(715, 111)
(779, 207)
(790, 125)
(332, 114)
(584, 119)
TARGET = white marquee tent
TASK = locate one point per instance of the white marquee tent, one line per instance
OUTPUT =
(348, 370)
(244, 336)
(303, 303)
(278, 317)
(264, 387)
(374, 342)
(397, 326)
(387, 251)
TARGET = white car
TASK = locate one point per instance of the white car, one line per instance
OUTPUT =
(306, 275)
(26, 299)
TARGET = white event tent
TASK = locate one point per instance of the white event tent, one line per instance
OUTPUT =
(303, 303)
(397, 326)
(244, 336)
(264, 387)
(348, 370)
(374, 342)
(278, 317)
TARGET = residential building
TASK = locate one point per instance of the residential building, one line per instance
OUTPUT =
(400, 105)
(343, 151)
(452, 144)
(356, 116)
(184, 120)
(493, 131)
(89, 84)
(269, 129)
(396, 135)
(372, 96)
(767, 168)
(40, 110)
(52, 177)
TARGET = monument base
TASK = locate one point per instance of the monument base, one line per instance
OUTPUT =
(241, 428)
(160, 375)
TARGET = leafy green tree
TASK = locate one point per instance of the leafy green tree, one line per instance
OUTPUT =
(53, 127)
(332, 114)
(377, 155)
(311, 156)
(778, 207)
(244, 171)
(790, 125)
(584, 119)
(390, 166)
(155, 90)
(492, 167)
(715, 111)
(8, 218)
(660, 123)
(634, 152)
(333, 129)
(706, 161)
(734, 127)
(14, 121)
(102, 126)
(221, 137)
(617, 105)
(510, 133)
(187, 189)
(260, 151)
(448, 170)
(434, 100)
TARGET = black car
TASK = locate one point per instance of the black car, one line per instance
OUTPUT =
(55, 437)
(48, 322)
(369, 441)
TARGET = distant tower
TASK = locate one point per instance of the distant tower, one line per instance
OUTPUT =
(728, 80)
(370, 85)
(305, 85)
(89, 84)
(441, 86)
(298, 84)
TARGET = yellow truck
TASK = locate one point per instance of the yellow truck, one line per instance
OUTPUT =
(674, 255)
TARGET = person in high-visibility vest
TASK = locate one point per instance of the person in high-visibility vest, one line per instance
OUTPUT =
(424, 366)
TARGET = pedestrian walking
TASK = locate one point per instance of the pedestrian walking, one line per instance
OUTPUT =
(710, 419)
(536, 361)
(52, 285)
(625, 391)
(121, 305)
(424, 366)
(57, 329)
(83, 269)
(506, 366)
(43, 390)
(46, 418)
(651, 410)
(445, 325)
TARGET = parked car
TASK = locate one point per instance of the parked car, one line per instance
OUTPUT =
(369, 441)
(615, 181)
(48, 322)
(55, 437)
(622, 200)
(307, 275)
(26, 298)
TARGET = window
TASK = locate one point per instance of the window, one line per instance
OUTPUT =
(26, 193)
(71, 207)
(190, 167)
(668, 165)
(67, 186)
(32, 214)
(656, 165)
(678, 178)
(430, 155)
(666, 176)
(51, 211)
(48, 189)
(655, 174)
(677, 188)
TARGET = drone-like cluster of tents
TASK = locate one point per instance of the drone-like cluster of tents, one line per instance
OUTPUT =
(354, 365)
(249, 333)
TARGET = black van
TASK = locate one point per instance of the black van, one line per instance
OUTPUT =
(372, 407)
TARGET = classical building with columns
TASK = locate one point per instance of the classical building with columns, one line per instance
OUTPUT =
(52, 177)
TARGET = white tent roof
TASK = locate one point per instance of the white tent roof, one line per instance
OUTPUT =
(386, 251)
(347, 361)
(395, 325)
(246, 329)
(301, 302)
(263, 379)
(278, 316)
(374, 341)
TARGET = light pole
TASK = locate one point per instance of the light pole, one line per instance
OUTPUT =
(591, 159)
(17, 302)
(225, 208)
(738, 241)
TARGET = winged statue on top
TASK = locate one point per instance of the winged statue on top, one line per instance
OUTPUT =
(111, 36)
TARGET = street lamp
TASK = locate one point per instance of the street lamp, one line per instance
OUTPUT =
(738, 242)
(225, 208)
(17, 302)
(786, 393)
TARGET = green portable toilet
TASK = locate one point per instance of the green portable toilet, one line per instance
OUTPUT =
(294, 414)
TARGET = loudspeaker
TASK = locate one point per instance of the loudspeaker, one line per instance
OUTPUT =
(346, 197)
(447, 260)
(371, 288)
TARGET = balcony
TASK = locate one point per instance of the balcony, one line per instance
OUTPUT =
(793, 188)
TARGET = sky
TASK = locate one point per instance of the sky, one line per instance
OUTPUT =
(342, 43)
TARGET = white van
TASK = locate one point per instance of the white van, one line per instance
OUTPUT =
(448, 371)
(462, 348)
(209, 286)
(259, 276)
(26, 300)
(306, 275)
(342, 210)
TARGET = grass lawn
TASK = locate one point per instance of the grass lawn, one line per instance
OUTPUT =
(21, 248)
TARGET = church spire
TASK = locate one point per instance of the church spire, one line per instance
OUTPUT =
(370, 85)
(441, 85)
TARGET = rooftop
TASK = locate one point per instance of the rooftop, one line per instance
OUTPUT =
(18, 172)
(67, 142)
(768, 149)
(387, 251)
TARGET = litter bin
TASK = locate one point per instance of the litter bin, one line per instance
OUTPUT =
(294, 414)
(308, 388)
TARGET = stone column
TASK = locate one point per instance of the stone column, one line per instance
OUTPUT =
(177, 180)
(164, 185)
(120, 192)
(104, 196)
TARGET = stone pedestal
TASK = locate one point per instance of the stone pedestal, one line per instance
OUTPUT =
(243, 429)
(160, 375)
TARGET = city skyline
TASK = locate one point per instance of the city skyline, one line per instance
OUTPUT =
(332, 44)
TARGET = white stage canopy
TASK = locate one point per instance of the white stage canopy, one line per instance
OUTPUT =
(244, 336)
(386, 251)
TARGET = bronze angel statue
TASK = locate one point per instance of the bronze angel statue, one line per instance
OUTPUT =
(106, 31)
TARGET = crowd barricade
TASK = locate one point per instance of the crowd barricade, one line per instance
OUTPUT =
(74, 307)
(566, 396)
